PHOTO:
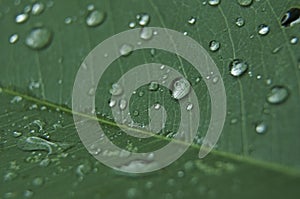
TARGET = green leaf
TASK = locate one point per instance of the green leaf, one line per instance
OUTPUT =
(244, 165)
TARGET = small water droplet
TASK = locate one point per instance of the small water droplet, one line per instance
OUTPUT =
(291, 17)
(21, 18)
(116, 89)
(153, 86)
(240, 22)
(27, 9)
(268, 81)
(157, 106)
(68, 20)
(122, 104)
(28, 194)
(141, 94)
(185, 33)
(143, 19)
(126, 49)
(95, 18)
(263, 29)
(112, 103)
(13, 38)
(180, 88)
(215, 79)
(214, 45)
(146, 33)
(238, 67)
(245, 2)
(180, 174)
(132, 192)
(38, 181)
(214, 2)
(192, 20)
(258, 77)
(294, 40)
(37, 8)
(17, 134)
(16, 99)
(261, 128)
(132, 24)
(189, 107)
(38, 38)
(91, 91)
(90, 7)
(277, 95)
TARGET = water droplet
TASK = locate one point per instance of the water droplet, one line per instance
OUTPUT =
(261, 128)
(277, 95)
(240, 22)
(13, 38)
(214, 2)
(258, 77)
(185, 33)
(122, 104)
(238, 67)
(112, 103)
(90, 7)
(17, 134)
(143, 19)
(132, 192)
(268, 81)
(38, 38)
(189, 107)
(21, 18)
(38, 181)
(291, 17)
(263, 29)
(16, 99)
(126, 49)
(180, 174)
(132, 24)
(68, 20)
(9, 176)
(95, 18)
(116, 89)
(153, 86)
(245, 2)
(156, 106)
(146, 33)
(27, 9)
(215, 79)
(294, 40)
(180, 88)
(141, 94)
(192, 20)
(91, 91)
(214, 45)
(37, 8)
(28, 194)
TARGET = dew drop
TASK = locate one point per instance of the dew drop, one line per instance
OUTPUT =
(245, 2)
(126, 49)
(13, 38)
(28, 194)
(294, 40)
(21, 18)
(192, 20)
(122, 104)
(189, 107)
(90, 7)
(180, 88)
(153, 86)
(263, 29)
(214, 2)
(38, 38)
(291, 17)
(95, 18)
(112, 103)
(238, 67)
(214, 45)
(146, 33)
(37, 8)
(261, 128)
(143, 19)
(38, 181)
(116, 89)
(132, 24)
(277, 95)
(17, 134)
(240, 22)
(68, 20)
(27, 9)
(156, 106)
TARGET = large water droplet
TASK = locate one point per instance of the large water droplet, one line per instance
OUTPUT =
(291, 17)
(263, 29)
(38, 38)
(95, 18)
(238, 67)
(244, 2)
(277, 95)
(13, 38)
(37, 8)
(240, 22)
(21, 18)
(126, 49)
(146, 33)
(214, 2)
(214, 45)
(180, 88)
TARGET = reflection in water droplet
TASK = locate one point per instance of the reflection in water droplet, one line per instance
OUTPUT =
(116, 89)
(277, 95)
(95, 18)
(291, 17)
(21, 18)
(13, 38)
(261, 128)
(214, 45)
(146, 33)
(214, 2)
(294, 40)
(244, 2)
(238, 67)
(180, 88)
(263, 29)
(126, 49)
(38, 38)
(37, 8)
(240, 22)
